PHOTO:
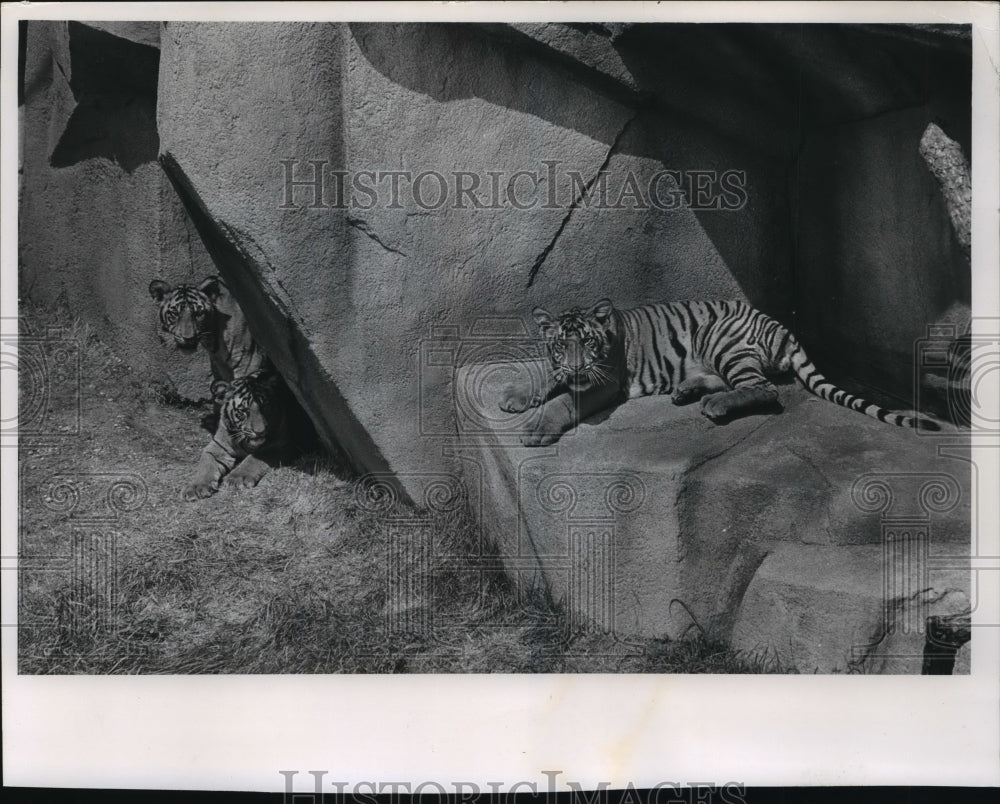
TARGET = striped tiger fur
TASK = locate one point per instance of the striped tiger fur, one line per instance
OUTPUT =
(206, 314)
(721, 352)
(252, 425)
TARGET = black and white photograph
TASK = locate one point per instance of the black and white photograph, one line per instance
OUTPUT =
(551, 344)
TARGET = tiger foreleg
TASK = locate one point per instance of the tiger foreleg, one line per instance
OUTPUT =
(558, 415)
(517, 398)
(216, 462)
(725, 404)
(751, 390)
(694, 388)
(566, 411)
(248, 473)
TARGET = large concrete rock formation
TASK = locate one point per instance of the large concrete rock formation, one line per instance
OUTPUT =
(378, 310)
(346, 297)
(819, 535)
(362, 289)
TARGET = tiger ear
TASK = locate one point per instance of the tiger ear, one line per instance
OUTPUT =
(212, 287)
(219, 389)
(158, 289)
(543, 319)
(602, 310)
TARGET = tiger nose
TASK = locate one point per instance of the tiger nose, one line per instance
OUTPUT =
(574, 357)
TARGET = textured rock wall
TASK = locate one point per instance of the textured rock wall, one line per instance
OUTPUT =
(844, 234)
(365, 288)
(878, 260)
(98, 220)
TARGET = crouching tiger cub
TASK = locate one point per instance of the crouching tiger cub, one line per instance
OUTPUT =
(252, 427)
(720, 352)
(207, 314)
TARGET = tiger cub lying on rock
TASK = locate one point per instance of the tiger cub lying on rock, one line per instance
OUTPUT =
(720, 352)
(253, 425)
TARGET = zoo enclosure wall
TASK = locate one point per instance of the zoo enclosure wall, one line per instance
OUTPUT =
(844, 234)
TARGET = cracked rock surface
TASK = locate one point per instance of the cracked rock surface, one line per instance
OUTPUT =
(362, 290)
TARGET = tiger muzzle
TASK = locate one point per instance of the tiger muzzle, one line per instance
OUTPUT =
(249, 441)
(577, 379)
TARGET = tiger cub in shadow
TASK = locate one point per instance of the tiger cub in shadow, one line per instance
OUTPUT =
(718, 352)
(253, 433)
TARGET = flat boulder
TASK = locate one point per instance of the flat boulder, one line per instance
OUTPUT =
(817, 534)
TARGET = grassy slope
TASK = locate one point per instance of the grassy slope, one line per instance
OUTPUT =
(292, 576)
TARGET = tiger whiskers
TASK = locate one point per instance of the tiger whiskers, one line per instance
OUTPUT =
(598, 375)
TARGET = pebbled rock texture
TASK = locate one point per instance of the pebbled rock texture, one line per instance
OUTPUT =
(98, 219)
(818, 535)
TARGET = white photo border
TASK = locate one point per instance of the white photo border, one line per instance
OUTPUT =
(240, 732)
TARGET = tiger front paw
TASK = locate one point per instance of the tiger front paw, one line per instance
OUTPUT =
(517, 400)
(247, 474)
(242, 480)
(685, 396)
(715, 406)
(199, 490)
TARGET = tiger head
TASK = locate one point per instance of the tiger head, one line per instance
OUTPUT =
(187, 312)
(580, 344)
(250, 408)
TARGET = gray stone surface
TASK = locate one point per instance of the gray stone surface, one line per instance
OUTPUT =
(346, 298)
(368, 312)
(878, 260)
(650, 519)
(950, 167)
(824, 609)
(963, 660)
(143, 33)
(363, 289)
(587, 45)
(95, 229)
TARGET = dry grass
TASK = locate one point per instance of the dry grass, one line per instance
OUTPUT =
(289, 577)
